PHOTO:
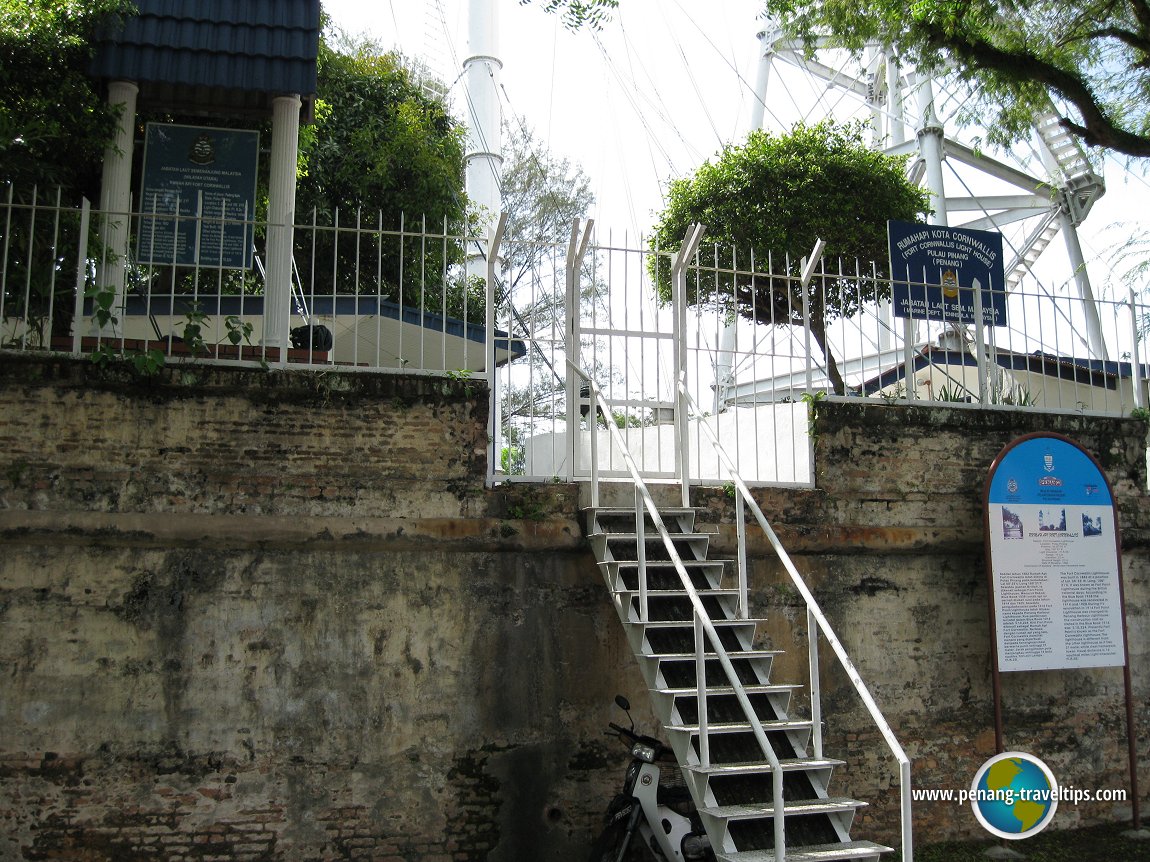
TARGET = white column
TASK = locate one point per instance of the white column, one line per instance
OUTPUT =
(281, 219)
(116, 192)
(484, 158)
(895, 116)
(1094, 338)
(930, 148)
(762, 79)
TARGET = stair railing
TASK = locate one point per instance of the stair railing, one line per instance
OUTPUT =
(704, 628)
(816, 623)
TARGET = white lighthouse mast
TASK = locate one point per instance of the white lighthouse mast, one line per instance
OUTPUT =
(484, 158)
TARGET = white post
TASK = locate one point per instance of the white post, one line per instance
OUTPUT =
(1082, 278)
(494, 422)
(116, 192)
(679, 338)
(576, 249)
(980, 354)
(1135, 353)
(281, 221)
(766, 57)
(82, 272)
(930, 139)
(896, 126)
(483, 161)
(895, 115)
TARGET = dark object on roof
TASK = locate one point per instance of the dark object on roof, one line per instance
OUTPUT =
(224, 57)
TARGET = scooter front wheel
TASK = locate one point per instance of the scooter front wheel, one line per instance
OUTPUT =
(614, 843)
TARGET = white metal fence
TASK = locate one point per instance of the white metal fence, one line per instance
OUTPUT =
(367, 291)
(375, 294)
(754, 380)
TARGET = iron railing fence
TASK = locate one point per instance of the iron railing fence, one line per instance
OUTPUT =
(753, 342)
(366, 292)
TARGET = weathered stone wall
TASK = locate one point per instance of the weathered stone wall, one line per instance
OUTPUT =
(249, 615)
(892, 542)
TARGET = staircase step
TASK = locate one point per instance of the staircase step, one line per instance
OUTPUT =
(651, 539)
(728, 727)
(721, 690)
(731, 654)
(674, 520)
(790, 764)
(703, 574)
(677, 606)
(680, 670)
(749, 667)
(712, 592)
(834, 805)
(678, 636)
(857, 850)
(735, 741)
(749, 622)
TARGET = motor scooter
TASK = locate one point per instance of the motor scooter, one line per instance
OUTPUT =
(654, 809)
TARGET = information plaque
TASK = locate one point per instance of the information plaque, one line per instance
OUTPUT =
(946, 273)
(1052, 538)
(198, 196)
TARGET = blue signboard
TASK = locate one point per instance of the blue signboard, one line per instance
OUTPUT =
(1052, 536)
(936, 270)
(198, 197)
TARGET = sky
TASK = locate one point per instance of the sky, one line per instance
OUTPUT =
(658, 91)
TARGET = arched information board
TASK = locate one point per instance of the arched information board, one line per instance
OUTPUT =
(1054, 565)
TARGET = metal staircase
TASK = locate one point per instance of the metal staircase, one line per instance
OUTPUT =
(672, 600)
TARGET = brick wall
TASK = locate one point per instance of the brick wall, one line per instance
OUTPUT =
(263, 616)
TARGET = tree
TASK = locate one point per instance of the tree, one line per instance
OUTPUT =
(542, 194)
(1092, 56)
(384, 145)
(773, 197)
(54, 124)
(576, 13)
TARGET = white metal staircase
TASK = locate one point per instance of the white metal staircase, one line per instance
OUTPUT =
(728, 771)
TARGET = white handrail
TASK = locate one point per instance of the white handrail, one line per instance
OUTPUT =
(815, 614)
(702, 619)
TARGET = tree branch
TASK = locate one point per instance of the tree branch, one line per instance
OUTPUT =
(1132, 40)
(1097, 128)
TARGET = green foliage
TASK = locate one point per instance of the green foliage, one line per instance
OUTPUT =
(380, 140)
(1016, 396)
(193, 332)
(955, 393)
(54, 124)
(531, 506)
(542, 194)
(383, 149)
(765, 203)
(812, 400)
(576, 13)
(1092, 56)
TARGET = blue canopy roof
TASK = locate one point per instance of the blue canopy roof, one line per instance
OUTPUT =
(226, 56)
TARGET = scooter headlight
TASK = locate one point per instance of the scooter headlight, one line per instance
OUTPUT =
(641, 751)
(695, 846)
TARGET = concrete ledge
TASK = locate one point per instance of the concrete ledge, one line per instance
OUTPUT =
(161, 529)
